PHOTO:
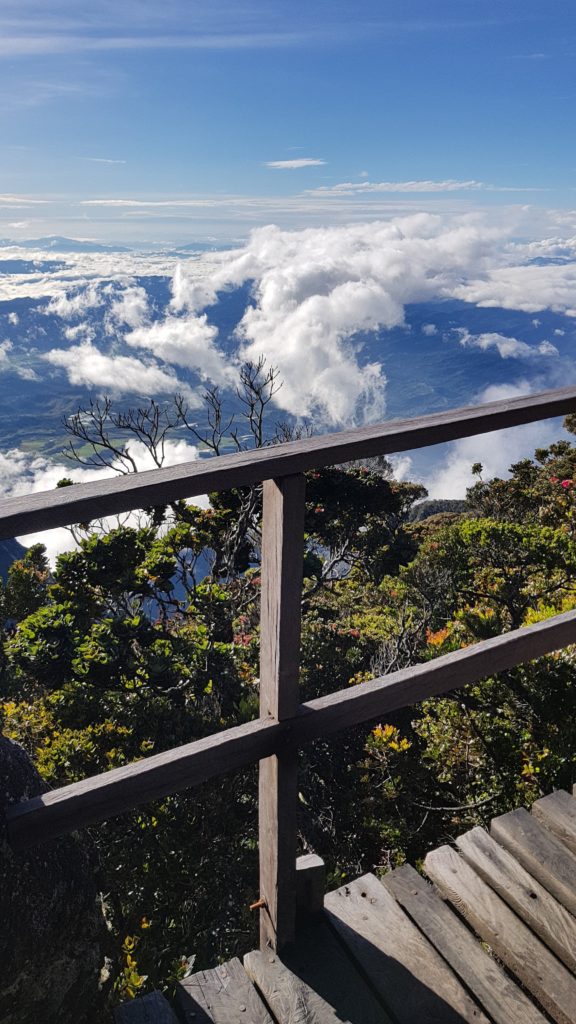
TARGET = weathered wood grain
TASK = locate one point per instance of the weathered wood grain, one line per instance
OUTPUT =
(522, 952)
(316, 983)
(150, 1009)
(310, 885)
(281, 595)
(557, 813)
(277, 810)
(411, 978)
(224, 995)
(82, 502)
(103, 796)
(503, 1000)
(540, 853)
(521, 891)
(280, 616)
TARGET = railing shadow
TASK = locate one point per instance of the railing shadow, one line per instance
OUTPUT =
(319, 979)
(383, 982)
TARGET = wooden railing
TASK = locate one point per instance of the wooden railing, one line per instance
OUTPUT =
(285, 724)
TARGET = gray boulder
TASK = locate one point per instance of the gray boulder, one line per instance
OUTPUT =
(52, 931)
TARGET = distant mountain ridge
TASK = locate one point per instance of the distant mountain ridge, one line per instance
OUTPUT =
(58, 243)
(62, 244)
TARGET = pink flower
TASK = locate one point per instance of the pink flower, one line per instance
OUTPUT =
(553, 479)
(566, 484)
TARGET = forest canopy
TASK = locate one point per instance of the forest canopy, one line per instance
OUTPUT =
(146, 636)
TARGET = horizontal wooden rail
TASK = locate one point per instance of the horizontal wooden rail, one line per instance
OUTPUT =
(104, 796)
(83, 502)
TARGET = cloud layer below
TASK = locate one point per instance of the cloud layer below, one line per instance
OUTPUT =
(318, 304)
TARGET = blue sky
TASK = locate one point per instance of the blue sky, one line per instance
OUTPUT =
(156, 121)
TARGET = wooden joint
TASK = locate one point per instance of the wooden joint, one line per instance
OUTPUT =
(259, 904)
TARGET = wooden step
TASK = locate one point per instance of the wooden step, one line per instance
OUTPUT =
(539, 852)
(516, 945)
(315, 983)
(224, 995)
(492, 987)
(557, 813)
(522, 892)
(409, 975)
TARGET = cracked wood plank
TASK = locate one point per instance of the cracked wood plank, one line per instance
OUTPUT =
(502, 999)
(522, 952)
(411, 978)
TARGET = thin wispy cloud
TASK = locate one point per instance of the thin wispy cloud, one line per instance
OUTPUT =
(294, 165)
(350, 188)
(152, 203)
(101, 160)
(11, 200)
(28, 28)
(45, 45)
(34, 92)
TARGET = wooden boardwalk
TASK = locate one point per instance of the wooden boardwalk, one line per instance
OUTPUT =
(493, 939)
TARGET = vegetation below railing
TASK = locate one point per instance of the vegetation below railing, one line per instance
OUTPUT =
(107, 660)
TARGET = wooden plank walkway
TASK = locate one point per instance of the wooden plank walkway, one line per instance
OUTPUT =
(491, 937)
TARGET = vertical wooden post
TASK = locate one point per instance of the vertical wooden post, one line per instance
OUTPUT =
(282, 557)
(310, 886)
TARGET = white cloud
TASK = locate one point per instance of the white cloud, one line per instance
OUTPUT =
(100, 160)
(186, 341)
(508, 348)
(496, 451)
(81, 271)
(5, 347)
(351, 188)
(294, 165)
(26, 373)
(73, 304)
(559, 332)
(131, 307)
(546, 248)
(315, 289)
(80, 332)
(115, 374)
(530, 288)
(31, 27)
(42, 44)
(429, 330)
(112, 203)
(13, 319)
(14, 202)
(314, 292)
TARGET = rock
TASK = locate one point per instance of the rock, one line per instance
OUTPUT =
(52, 931)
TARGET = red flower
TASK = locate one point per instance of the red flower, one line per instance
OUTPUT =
(566, 484)
(553, 479)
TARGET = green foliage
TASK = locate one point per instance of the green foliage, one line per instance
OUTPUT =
(338, 501)
(500, 567)
(538, 491)
(25, 589)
